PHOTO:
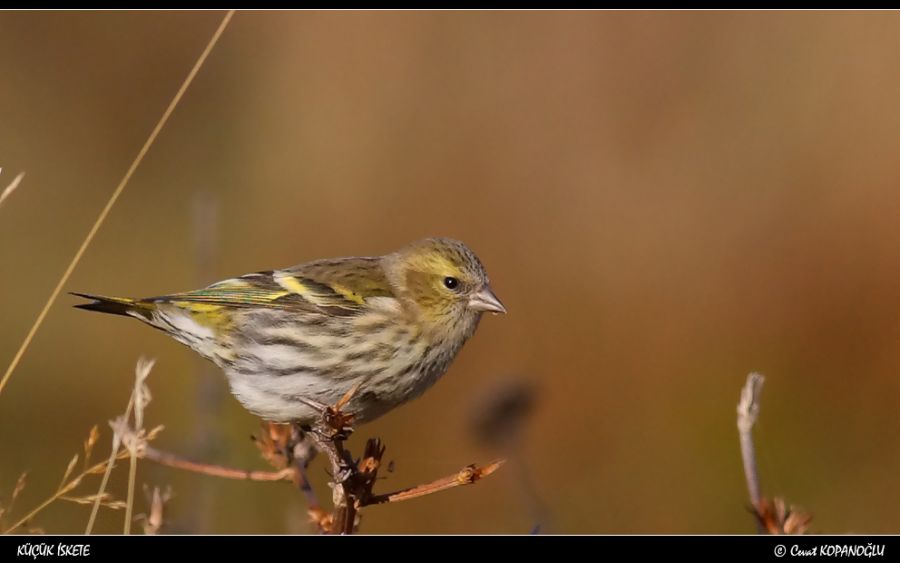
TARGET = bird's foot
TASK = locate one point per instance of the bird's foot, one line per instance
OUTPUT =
(334, 424)
(337, 424)
(336, 420)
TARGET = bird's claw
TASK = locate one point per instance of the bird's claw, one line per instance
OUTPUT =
(335, 424)
(339, 422)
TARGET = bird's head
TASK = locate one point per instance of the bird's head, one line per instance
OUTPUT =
(444, 279)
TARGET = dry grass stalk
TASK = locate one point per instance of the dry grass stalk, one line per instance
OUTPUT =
(17, 490)
(71, 480)
(123, 434)
(132, 440)
(112, 200)
(287, 447)
(107, 465)
(8, 190)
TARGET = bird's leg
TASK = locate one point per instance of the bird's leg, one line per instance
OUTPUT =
(337, 424)
(334, 424)
(335, 417)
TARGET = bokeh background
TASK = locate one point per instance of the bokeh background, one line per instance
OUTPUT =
(664, 201)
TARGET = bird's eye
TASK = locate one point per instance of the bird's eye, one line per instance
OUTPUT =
(451, 282)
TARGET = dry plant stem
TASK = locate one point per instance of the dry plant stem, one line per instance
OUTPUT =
(466, 476)
(17, 490)
(329, 443)
(11, 188)
(109, 467)
(140, 398)
(328, 436)
(63, 490)
(112, 200)
(129, 501)
(352, 481)
(172, 460)
(747, 413)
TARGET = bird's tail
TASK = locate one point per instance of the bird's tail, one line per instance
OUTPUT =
(116, 305)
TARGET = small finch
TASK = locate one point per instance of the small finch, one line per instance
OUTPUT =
(290, 340)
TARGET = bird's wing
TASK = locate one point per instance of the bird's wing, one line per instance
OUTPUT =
(330, 287)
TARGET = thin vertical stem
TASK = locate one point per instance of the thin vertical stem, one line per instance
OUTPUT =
(747, 413)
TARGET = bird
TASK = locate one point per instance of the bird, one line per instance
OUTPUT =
(380, 330)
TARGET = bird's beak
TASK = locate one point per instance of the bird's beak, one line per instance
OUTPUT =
(485, 300)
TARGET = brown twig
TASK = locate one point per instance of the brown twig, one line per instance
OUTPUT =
(466, 476)
(353, 482)
(287, 445)
(287, 448)
(330, 441)
(172, 460)
(328, 436)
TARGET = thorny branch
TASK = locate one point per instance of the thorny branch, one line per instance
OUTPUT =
(290, 448)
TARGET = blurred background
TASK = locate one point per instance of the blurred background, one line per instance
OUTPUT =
(664, 202)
